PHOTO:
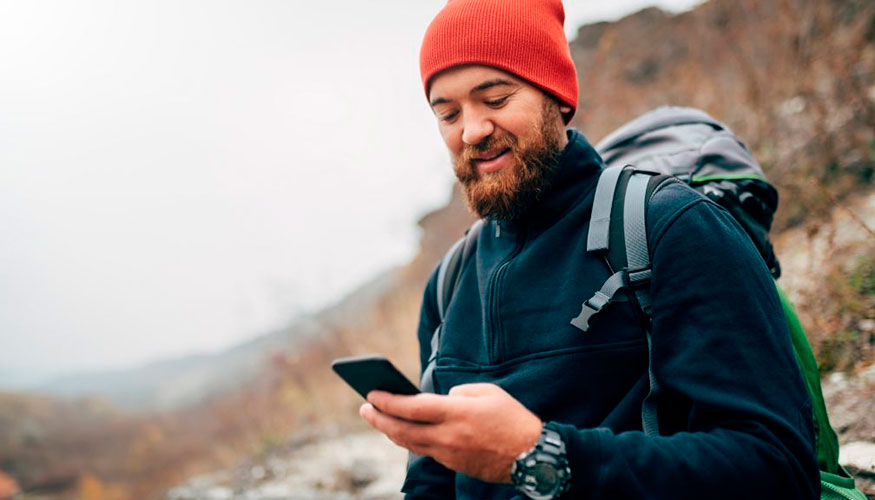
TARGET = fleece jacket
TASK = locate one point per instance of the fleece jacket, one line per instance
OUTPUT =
(734, 414)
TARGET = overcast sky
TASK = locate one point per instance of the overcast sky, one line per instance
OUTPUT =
(181, 176)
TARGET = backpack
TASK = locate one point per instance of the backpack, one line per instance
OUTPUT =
(671, 144)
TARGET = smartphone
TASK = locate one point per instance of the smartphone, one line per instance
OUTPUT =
(373, 372)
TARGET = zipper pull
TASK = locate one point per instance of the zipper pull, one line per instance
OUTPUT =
(497, 230)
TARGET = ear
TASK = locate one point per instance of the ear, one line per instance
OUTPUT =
(565, 110)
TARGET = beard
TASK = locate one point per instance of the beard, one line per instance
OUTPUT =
(511, 192)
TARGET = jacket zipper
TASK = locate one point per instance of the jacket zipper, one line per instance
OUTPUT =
(495, 330)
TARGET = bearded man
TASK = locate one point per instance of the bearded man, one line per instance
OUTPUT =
(523, 401)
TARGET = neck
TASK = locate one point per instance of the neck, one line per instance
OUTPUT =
(564, 141)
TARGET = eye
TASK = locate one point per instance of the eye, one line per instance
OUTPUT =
(495, 103)
(448, 117)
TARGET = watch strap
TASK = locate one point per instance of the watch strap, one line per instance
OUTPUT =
(549, 451)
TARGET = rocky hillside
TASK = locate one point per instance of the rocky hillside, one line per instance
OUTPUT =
(794, 78)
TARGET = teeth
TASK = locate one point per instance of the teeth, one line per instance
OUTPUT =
(493, 157)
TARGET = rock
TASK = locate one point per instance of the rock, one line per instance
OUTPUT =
(836, 383)
(362, 465)
(867, 376)
(363, 473)
(792, 106)
(257, 472)
(860, 455)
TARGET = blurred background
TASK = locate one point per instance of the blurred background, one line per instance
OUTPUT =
(203, 203)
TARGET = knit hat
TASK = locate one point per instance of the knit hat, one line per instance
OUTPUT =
(523, 37)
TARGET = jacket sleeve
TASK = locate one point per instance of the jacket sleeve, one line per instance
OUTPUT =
(721, 355)
(426, 478)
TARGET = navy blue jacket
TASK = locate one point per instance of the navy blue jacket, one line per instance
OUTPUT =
(734, 414)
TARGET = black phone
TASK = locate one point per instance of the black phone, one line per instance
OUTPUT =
(373, 372)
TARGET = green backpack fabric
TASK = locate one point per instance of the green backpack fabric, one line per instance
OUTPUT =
(672, 144)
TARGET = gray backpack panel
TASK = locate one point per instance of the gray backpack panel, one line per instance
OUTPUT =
(683, 142)
(688, 144)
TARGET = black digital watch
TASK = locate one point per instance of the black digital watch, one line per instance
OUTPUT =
(542, 473)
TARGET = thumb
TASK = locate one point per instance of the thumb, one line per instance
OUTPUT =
(476, 389)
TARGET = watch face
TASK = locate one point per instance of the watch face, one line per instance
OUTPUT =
(546, 477)
(542, 473)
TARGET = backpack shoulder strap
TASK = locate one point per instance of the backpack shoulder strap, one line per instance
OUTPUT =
(618, 230)
(449, 271)
(598, 237)
(452, 264)
(633, 251)
(635, 239)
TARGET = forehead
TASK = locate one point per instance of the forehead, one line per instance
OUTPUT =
(459, 81)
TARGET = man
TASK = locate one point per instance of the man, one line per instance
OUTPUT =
(525, 402)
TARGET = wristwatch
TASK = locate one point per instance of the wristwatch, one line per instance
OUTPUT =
(542, 473)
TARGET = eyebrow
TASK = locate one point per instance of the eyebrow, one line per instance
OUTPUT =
(488, 84)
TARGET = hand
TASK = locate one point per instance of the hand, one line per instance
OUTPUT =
(478, 429)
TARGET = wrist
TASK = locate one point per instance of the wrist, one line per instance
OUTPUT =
(528, 439)
(543, 472)
(532, 435)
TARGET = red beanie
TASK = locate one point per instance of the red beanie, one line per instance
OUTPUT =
(523, 37)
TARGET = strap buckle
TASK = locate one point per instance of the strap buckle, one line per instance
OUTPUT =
(624, 278)
(637, 277)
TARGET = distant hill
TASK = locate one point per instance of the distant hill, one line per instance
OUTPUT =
(185, 381)
(174, 383)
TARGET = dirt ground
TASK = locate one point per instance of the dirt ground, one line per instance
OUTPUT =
(365, 465)
(850, 401)
(362, 465)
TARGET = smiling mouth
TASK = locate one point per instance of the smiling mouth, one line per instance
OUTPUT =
(496, 155)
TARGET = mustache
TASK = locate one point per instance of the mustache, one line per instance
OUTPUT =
(465, 168)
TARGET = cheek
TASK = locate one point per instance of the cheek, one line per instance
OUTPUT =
(452, 139)
(522, 129)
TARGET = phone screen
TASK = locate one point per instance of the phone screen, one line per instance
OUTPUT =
(373, 372)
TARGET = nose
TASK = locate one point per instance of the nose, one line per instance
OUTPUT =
(476, 127)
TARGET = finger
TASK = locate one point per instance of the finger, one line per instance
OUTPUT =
(420, 449)
(402, 432)
(428, 408)
(475, 389)
(366, 410)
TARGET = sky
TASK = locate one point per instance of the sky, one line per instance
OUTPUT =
(180, 177)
